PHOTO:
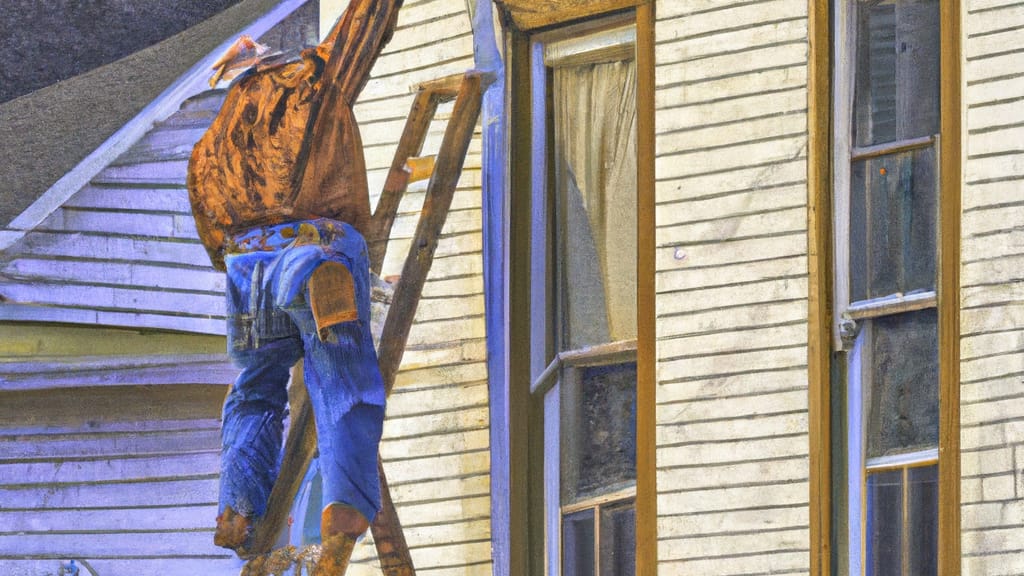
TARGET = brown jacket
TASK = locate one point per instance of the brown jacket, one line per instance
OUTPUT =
(285, 145)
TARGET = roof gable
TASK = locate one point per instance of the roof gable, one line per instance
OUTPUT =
(113, 242)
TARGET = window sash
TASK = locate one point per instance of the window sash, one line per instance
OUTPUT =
(848, 335)
(596, 506)
(610, 353)
(599, 41)
(844, 307)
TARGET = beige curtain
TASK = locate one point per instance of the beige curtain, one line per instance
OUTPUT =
(595, 172)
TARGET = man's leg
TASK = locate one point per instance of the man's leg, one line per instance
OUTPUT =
(251, 437)
(351, 492)
(348, 437)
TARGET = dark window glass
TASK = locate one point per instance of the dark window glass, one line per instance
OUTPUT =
(884, 523)
(893, 205)
(578, 543)
(924, 520)
(904, 403)
(618, 540)
(598, 430)
(897, 85)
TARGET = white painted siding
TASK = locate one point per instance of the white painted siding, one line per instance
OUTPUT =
(992, 293)
(732, 287)
(123, 250)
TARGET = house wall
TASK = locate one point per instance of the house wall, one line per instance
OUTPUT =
(110, 451)
(436, 446)
(731, 287)
(992, 293)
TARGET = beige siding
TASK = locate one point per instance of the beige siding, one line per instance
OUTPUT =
(992, 297)
(732, 287)
(436, 440)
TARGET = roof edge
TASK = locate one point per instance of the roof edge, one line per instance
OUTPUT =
(190, 83)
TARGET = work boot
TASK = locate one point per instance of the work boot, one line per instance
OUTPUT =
(340, 525)
(334, 555)
(233, 531)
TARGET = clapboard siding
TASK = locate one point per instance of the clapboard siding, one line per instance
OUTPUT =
(164, 142)
(992, 314)
(111, 475)
(136, 566)
(96, 246)
(139, 223)
(193, 517)
(123, 250)
(174, 200)
(731, 287)
(115, 273)
(134, 469)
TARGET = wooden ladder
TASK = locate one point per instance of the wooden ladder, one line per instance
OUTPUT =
(467, 90)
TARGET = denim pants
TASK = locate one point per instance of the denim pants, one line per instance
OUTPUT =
(270, 327)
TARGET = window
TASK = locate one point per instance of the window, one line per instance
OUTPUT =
(886, 229)
(583, 366)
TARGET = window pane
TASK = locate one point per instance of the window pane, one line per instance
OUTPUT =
(897, 84)
(904, 387)
(924, 520)
(595, 178)
(884, 527)
(578, 543)
(598, 430)
(618, 540)
(893, 203)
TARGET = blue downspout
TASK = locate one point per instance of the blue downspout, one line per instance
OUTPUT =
(488, 58)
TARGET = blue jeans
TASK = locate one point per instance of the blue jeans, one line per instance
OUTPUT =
(270, 327)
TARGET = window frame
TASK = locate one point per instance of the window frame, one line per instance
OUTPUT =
(524, 413)
(598, 40)
(828, 450)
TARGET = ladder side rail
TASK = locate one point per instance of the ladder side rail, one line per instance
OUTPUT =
(440, 190)
(388, 535)
(424, 107)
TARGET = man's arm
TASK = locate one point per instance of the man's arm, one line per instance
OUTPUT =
(355, 42)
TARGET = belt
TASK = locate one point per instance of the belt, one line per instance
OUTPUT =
(273, 237)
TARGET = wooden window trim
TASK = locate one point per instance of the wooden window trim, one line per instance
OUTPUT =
(520, 170)
(820, 266)
(531, 15)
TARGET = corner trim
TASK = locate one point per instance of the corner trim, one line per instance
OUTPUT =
(819, 243)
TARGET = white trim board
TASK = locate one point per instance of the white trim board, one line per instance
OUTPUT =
(45, 313)
(76, 372)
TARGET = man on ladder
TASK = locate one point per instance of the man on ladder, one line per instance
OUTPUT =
(279, 194)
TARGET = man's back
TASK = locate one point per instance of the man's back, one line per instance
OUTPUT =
(285, 145)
